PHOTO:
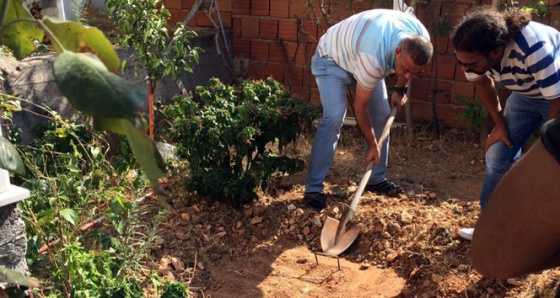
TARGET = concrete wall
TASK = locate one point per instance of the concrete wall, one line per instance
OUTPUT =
(13, 242)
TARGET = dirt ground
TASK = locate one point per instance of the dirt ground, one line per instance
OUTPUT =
(407, 246)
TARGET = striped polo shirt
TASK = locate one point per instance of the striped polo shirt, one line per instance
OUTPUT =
(365, 43)
(531, 63)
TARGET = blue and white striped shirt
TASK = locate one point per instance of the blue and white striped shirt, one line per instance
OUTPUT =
(531, 63)
(365, 43)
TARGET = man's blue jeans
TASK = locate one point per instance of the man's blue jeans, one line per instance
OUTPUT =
(333, 82)
(522, 116)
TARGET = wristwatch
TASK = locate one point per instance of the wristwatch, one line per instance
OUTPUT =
(400, 90)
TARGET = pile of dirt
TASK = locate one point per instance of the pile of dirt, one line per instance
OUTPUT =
(408, 246)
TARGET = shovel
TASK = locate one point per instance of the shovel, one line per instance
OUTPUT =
(337, 236)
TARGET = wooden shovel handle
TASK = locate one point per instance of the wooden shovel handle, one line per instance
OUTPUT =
(369, 167)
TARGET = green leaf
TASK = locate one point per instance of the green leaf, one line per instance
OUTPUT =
(146, 152)
(19, 36)
(70, 215)
(79, 38)
(94, 90)
(143, 148)
(115, 125)
(9, 157)
(18, 278)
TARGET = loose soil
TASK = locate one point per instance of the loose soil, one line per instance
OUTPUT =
(407, 247)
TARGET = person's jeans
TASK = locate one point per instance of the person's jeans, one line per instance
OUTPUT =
(522, 116)
(333, 82)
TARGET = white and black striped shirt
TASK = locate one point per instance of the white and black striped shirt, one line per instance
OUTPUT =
(531, 63)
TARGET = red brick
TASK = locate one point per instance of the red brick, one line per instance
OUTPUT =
(241, 48)
(419, 88)
(250, 27)
(183, 16)
(467, 2)
(173, 4)
(257, 70)
(310, 50)
(453, 12)
(421, 111)
(446, 66)
(173, 17)
(428, 69)
(555, 17)
(260, 8)
(236, 27)
(295, 75)
(287, 30)
(274, 53)
(279, 8)
(442, 92)
(465, 89)
(268, 28)
(424, 12)
(442, 42)
(202, 20)
(259, 49)
(309, 31)
(275, 70)
(298, 8)
(242, 7)
(295, 52)
(226, 19)
(225, 5)
(448, 114)
(187, 4)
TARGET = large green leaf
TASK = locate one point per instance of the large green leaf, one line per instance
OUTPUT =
(93, 90)
(19, 36)
(115, 125)
(146, 153)
(79, 38)
(143, 148)
(9, 157)
(18, 278)
(70, 215)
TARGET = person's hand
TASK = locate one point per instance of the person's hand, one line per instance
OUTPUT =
(373, 154)
(498, 133)
(398, 100)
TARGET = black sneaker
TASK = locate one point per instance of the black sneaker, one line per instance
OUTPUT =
(387, 188)
(315, 200)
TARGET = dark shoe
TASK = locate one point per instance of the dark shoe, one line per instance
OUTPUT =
(386, 188)
(315, 200)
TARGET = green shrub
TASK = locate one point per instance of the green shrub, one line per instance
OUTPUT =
(228, 135)
(474, 115)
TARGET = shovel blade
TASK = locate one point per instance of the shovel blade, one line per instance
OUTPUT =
(330, 244)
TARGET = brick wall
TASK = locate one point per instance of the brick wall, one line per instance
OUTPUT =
(278, 37)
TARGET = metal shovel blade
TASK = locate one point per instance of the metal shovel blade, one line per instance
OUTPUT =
(333, 246)
(336, 237)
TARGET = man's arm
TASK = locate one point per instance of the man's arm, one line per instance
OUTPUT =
(487, 93)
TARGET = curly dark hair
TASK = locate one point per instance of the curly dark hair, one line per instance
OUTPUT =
(485, 29)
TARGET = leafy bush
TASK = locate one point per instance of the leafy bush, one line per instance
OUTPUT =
(227, 135)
